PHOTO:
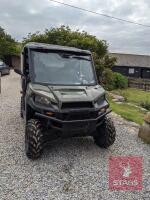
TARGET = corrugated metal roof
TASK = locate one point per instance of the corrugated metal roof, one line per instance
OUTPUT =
(132, 60)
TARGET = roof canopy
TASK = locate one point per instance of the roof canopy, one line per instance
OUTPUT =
(35, 45)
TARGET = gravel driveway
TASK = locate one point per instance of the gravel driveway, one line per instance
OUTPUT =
(69, 169)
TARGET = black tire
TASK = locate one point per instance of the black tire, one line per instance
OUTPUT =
(33, 139)
(106, 134)
(21, 107)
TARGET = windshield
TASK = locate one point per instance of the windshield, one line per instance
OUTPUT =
(62, 68)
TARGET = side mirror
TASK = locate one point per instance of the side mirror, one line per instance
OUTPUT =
(18, 71)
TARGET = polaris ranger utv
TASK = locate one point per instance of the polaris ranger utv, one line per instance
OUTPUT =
(61, 97)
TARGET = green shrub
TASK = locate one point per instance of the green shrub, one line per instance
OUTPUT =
(113, 80)
(120, 81)
(108, 79)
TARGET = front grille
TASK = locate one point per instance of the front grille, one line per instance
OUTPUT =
(77, 105)
(77, 125)
(78, 115)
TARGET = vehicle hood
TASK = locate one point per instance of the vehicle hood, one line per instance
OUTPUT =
(69, 93)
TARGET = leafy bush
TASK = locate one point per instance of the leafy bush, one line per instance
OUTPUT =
(8, 46)
(113, 80)
(120, 81)
(107, 79)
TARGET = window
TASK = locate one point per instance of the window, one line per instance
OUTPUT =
(131, 70)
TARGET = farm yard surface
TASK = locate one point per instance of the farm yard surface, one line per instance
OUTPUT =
(72, 168)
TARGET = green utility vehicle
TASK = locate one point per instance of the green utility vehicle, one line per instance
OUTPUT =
(61, 97)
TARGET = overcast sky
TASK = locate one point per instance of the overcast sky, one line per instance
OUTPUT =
(19, 17)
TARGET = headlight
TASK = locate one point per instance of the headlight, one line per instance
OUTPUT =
(100, 100)
(42, 100)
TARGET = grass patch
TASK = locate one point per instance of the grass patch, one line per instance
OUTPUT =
(128, 112)
(134, 95)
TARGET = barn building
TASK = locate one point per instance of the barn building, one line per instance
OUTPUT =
(130, 65)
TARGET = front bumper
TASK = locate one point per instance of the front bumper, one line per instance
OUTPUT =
(72, 121)
(74, 126)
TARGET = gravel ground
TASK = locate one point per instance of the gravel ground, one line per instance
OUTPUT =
(69, 169)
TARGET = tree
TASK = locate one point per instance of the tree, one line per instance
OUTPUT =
(8, 46)
(65, 36)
